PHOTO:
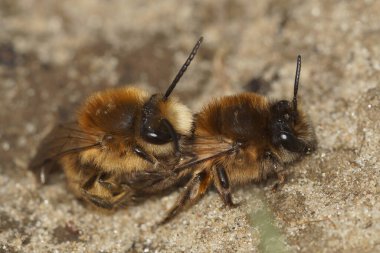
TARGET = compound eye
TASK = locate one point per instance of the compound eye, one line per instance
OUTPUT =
(284, 137)
(291, 143)
(157, 136)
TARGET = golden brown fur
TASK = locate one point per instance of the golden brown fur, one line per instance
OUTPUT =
(124, 144)
(244, 119)
(109, 129)
(234, 138)
(244, 138)
(238, 118)
(115, 114)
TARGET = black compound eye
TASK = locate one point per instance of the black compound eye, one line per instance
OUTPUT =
(284, 137)
(154, 128)
(156, 135)
(292, 143)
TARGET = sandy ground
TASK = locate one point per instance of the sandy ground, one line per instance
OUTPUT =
(55, 53)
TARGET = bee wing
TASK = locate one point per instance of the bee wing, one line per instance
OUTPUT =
(203, 149)
(62, 140)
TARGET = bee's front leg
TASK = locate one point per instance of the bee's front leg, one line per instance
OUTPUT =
(193, 191)
(143, 154)
(281, 174)
(222, 185)
(104, 191)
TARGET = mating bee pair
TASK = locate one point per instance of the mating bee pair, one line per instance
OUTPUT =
(128, 145)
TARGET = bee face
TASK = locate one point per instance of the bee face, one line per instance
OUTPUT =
(285, 121)
(163, 119)
(153, 127)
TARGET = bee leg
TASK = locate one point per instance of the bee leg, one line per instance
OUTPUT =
(271, 164)
(222, 185)
(108, 202)
(194, 190)
(118, 201)
(119, 194)
(98, 201)
(152, 182)
(105, 199)
(141, 153)
(106, 181)
(90, 182)
(43, 176)
(281, 177)
(103, 181)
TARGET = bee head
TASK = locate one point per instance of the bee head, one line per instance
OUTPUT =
(164, 121)
(163, 116)
(289, 126)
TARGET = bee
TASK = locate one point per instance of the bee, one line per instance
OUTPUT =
(123, 144)
(243, 138)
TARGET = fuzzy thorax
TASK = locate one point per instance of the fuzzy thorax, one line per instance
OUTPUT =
(178, 115)
(112, 111)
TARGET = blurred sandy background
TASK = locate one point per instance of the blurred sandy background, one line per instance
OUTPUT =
(55, 53)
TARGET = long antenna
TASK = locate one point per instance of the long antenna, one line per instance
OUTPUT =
(183, 69)
(296, 82)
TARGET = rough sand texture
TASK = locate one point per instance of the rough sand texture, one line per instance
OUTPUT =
(55, 53)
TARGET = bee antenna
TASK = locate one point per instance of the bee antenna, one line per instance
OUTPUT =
(296, 81)
(183, 69)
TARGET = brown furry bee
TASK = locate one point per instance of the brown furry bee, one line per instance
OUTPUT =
(124, 144)
(243, 138)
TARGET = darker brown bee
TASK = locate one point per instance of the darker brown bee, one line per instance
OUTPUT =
(244, 138)
(124, 144)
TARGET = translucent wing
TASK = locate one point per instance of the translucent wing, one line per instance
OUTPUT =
(63, 139)
(201, 149)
